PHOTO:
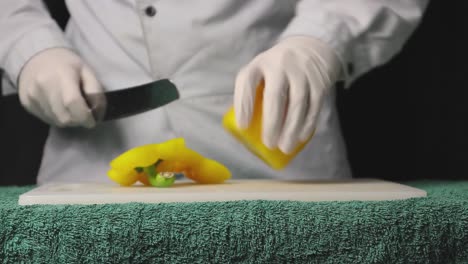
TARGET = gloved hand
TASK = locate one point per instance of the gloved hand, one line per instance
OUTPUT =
(298, 72)
(49, 87)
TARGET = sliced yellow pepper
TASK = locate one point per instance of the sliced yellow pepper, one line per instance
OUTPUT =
(175, 157)
(251, 137)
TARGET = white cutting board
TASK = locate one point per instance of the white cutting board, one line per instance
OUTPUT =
(87, 193)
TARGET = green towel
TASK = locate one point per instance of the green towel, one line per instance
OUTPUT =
(422, 230)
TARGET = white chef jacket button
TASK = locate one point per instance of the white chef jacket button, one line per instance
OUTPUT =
(150, 11)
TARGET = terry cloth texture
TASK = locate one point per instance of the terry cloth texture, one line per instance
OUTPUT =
(422, 230)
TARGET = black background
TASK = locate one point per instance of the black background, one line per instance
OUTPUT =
(406, 120)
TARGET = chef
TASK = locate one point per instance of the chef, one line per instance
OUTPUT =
(216, 52)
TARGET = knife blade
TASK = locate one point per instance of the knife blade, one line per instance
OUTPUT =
(131, 101)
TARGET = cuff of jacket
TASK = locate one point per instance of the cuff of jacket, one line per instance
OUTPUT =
(29, 45)
(335, 33)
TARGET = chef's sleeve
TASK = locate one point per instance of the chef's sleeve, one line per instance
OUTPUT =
(26, 28)
(363, 33)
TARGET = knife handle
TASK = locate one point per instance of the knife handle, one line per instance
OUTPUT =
(96, 104)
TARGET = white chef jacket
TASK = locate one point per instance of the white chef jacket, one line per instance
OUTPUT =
(200, 45)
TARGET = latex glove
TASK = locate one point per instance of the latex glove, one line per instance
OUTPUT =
(49, 87)
(297, 72)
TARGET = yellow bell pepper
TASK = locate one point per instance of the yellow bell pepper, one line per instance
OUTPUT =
(251, 137)
(172, 156)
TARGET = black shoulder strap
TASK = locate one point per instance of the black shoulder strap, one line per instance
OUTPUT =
(59, 12)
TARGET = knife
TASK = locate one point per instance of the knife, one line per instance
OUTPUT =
(127, 102)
